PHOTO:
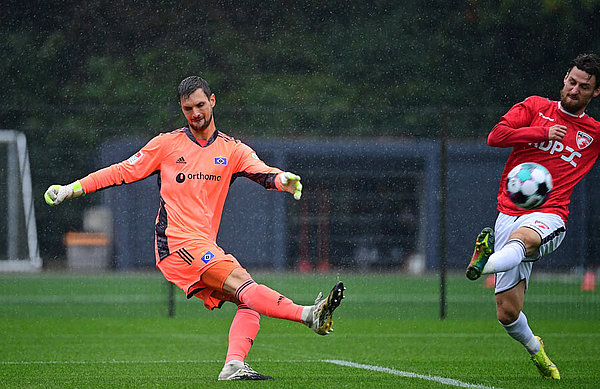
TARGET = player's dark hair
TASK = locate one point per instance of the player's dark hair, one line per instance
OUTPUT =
(190, 84)
(589, 63)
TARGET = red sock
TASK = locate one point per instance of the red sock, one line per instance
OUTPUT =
(242, 333)
(268, 302)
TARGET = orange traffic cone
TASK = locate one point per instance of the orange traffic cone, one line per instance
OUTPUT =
(490, 281)
(589, 281)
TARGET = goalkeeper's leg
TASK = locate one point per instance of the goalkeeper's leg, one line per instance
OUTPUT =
(263, 299)
(269, 302)
(242, 333)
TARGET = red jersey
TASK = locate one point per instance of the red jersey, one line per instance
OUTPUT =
(193, 180)
(525, 128)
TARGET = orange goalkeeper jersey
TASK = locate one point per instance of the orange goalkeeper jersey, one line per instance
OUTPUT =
(193, 181)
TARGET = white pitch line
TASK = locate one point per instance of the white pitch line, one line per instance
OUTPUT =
(408, 374)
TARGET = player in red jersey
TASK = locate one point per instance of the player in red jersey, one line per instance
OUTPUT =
(196, 165)
(561, 137)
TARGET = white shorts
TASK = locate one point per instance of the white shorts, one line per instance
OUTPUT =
(549, 226)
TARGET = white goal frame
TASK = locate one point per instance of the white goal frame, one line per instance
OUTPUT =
(19, 181)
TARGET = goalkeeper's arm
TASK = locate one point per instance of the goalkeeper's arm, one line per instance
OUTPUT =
(56, 194)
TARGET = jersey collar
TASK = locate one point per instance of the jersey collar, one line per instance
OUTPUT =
(569, 113)
(212, 138)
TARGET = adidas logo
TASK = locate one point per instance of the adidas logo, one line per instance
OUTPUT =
(180, 160)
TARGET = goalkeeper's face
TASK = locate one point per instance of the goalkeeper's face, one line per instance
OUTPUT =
(198, 110)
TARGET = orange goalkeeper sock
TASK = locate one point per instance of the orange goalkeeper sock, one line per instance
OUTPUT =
(243, 330)
(266, 301)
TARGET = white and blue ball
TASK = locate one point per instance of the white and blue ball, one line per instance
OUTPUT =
(528, 185)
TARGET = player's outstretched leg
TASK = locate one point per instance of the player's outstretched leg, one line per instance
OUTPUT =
(320, 317)
(238, 370)
(545, 366)
(484, 247)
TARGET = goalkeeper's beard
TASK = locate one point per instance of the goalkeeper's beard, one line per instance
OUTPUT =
(203, 126)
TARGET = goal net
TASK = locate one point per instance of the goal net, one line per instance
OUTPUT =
(18, 234)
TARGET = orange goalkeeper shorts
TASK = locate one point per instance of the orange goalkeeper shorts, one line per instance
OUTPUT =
(200, 271)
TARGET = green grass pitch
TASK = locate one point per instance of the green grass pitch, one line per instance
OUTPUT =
(112, 331)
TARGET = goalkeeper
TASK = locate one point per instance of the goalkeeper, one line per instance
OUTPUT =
(196, 165)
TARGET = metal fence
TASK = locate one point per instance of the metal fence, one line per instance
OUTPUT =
(367, 204)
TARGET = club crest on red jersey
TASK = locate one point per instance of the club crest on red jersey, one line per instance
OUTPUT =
(583, 140)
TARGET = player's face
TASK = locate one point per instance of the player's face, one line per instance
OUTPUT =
(197, 109)
(577, 91)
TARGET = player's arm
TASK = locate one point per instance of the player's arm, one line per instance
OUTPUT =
(251, 167)
(505, 135)
(515, 127)
(139, 166)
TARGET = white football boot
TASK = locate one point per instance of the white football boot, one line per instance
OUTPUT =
(238, 370)
(320, 318)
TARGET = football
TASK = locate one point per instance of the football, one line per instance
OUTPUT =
(528, 185)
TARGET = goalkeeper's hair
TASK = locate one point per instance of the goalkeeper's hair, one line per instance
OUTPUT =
(190, 84)
(589, 63)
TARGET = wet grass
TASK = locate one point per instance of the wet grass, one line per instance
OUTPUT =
(113, 331)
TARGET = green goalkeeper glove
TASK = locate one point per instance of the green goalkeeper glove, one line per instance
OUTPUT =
(56, 194)
(291, 183)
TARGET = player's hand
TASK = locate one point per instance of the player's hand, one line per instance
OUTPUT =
(557, 132)
(291, 183)
(56, 194)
